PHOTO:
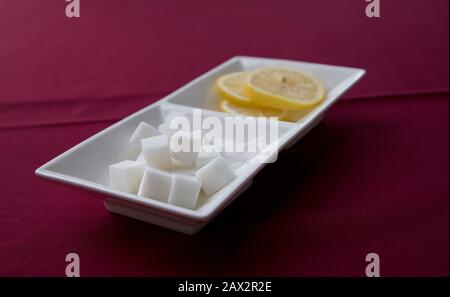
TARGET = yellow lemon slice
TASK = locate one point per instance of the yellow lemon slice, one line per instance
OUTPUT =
(231, 87)
(283, 88)
(252, 110)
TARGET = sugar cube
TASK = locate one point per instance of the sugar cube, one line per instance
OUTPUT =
(155, 184)
(207, 154)
(181, 167)
(143, 130)
(184, 191)
(156, 152)
(126, 175)
(140, 158)
(164, 128)
(185, 146)
(215, 175)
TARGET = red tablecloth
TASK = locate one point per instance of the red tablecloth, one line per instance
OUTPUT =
(374, 176)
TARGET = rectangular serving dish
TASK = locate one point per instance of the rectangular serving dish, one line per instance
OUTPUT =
(86, 164)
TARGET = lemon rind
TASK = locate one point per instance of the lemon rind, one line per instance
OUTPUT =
(225, 93)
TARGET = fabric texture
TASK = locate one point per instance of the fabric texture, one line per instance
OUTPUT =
(373, 177)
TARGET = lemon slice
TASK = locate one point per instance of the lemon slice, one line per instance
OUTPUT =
(231, 87)
(283, 88)
(252, 110)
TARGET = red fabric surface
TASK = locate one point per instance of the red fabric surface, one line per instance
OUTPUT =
(373, 178)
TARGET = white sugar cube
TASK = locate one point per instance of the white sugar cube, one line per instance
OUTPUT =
(215, 175)
(140, 158)
(207, 154)
(164, 128)
(181, 167)
(185, 146)
(143, 130)
(126, 175)
(184, 191)
(156, 152)
(155, 184)
(185, 170)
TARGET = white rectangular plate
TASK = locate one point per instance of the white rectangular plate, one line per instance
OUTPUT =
(86, 164)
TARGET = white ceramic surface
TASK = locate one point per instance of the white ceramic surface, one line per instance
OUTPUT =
(86, 164)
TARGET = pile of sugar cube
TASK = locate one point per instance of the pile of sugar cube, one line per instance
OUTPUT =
(152, 174)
